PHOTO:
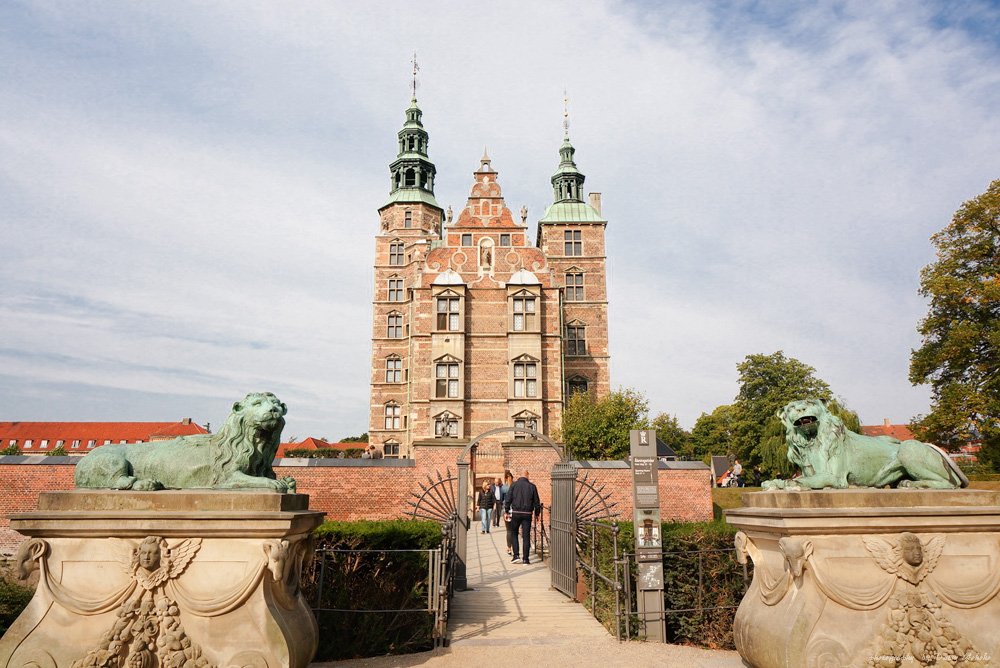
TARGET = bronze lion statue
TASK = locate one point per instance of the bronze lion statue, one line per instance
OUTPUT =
(239, 456)
(830, 455)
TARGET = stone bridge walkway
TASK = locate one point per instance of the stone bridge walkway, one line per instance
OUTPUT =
(513, 603)
(510, 617)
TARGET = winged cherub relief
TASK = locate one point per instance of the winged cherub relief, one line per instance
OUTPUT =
(148, 629)
(916, 629)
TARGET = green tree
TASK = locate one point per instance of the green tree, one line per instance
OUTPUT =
(960, 353)
(669, 430)
(599, 429)
(712, 433)
(768, 382)
(363, 438)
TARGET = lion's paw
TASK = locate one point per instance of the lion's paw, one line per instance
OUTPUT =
(147, 485)
(289, 484)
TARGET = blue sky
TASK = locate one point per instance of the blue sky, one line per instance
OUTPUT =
(188, 191)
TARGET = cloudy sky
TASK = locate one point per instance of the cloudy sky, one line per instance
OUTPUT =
(188, 192)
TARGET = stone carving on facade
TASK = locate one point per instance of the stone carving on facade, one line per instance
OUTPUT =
(147, 631)
(524, 215)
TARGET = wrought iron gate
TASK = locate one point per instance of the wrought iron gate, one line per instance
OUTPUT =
(562, 525)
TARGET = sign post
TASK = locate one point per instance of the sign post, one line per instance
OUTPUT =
(648, 542)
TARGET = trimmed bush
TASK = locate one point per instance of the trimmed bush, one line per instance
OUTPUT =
(13, 599)
(342, 585)
(325, 453)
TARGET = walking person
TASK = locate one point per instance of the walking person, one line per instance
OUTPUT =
(521, 504)
(508, 480)
(486, 502)
(498, 501)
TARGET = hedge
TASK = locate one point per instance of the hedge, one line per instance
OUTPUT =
(684, 546)
(325, 453)
(379, 581)
(14, 598)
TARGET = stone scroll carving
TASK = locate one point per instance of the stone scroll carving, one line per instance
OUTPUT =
(915, 631)
(147, 631)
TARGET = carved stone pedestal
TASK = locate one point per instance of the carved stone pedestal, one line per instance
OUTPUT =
(865, 577)
(168, 578)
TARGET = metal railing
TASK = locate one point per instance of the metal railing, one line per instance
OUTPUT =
(436, 589)
(611, 585)
(540, 535)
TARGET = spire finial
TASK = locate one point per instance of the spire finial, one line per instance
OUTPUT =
(485, 161)
(565, 114)
(416, 68)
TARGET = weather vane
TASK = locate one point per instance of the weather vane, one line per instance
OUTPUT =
(565, 113)
(416, 68)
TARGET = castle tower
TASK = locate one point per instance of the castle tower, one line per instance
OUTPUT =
(571, 235)
(409, 222)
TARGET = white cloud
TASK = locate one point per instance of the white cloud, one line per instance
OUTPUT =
(190, 191)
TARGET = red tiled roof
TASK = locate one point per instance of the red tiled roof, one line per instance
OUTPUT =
(316, 444)
(85, 432)
(900, 431)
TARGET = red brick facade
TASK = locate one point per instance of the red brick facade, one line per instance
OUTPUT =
(356, 489)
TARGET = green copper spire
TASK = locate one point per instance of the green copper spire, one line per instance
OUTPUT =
(567, 182)
(412, 173)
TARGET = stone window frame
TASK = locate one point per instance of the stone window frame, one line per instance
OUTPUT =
(573, 282)
(577, 384)
(394, 325)
(390, 449)
(397, 250)
(446, 425)
(575, 337)
(448, 318)
(572, 243)
(525, 419)
(505, 240)
(446, 385)
(408, 218)
(394, 369)
(525, 377)
(396, 287)
(525, 312)
(393, 413)
(466, 240)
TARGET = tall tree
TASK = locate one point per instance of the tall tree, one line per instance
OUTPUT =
(599, 429)
(768, 382)
(669, 430)
(960, 353)
(712, 433)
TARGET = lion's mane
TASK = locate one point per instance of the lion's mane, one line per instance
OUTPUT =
(827, 443)
(240, 445)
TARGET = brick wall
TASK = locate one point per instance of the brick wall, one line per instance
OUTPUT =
(352, 489)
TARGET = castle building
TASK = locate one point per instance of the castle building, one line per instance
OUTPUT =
(474, 326)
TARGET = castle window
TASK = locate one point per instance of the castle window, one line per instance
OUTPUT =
(446, 425)
(29, 443)
(525, 379)
(576, 340)
(574, 287)
(392, 415)
(466, 239)
(91, 444)
(409, 178)
(576, 385)
(408, 219)
(505, 240)
(524, 423)
(573, 242)
(44, 444)
(446, 380)
(524, 314)
(390, 449)
(447, 314)
(395, 289)
(393, 369)
(394, 326)
(396, 253)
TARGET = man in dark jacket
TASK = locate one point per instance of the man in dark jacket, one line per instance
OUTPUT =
(521, 503)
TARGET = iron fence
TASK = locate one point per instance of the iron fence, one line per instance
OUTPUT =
(417, 584)
(540, 535)
(702, 588)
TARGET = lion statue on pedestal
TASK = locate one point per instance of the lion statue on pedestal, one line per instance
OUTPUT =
(239, 456)
(830, 455)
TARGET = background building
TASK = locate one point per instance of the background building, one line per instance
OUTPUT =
(474, 326)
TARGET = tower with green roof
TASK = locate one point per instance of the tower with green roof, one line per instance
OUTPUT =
(571, 235)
